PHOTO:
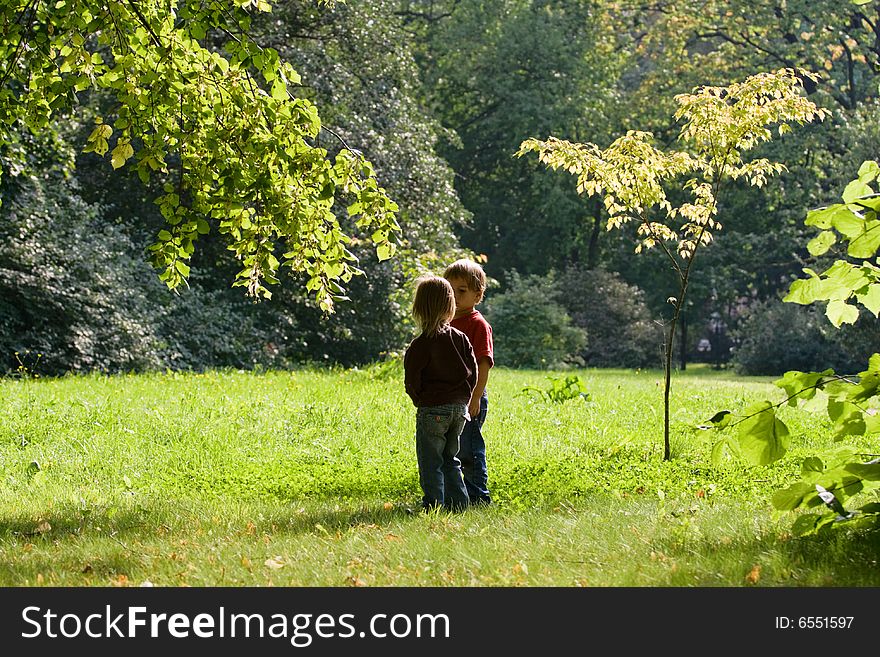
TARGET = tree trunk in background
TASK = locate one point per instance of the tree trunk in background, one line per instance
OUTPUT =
(593, 248)
(682, 347)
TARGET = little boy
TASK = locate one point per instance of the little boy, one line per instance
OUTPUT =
(468, 282)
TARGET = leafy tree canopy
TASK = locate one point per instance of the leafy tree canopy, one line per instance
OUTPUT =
(239, 151)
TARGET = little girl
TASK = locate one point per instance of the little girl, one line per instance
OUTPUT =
(440, 373)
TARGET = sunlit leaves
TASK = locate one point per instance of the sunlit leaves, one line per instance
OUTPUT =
(845, 283)
(763, 438)
(802, 385)
(719, 124)
(243, 156)
(722, 122)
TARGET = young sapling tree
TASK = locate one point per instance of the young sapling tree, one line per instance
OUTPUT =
(632, 175)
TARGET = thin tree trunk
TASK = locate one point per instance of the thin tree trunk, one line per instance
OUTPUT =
(667, 384)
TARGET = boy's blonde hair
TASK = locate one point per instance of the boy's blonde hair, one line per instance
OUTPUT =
(469, 271)
(434, 304)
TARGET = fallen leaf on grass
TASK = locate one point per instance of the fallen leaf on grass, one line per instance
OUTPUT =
(119, 580)
(754, 574)
(388, 506)
(521, 569)
(392, 537)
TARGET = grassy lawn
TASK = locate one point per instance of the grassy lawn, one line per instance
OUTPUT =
(308, 478)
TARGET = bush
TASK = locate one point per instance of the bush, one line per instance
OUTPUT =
(776, 337)
(614, 315)
(531, 328)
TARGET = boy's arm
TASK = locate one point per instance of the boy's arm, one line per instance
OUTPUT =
(484, 364)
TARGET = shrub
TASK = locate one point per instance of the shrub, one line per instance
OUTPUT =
(776, 337)
(531, 328)
(614, 315)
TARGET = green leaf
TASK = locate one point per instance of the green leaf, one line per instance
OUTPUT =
(870, 299)
(801, 385)
(811, 467)
(867, 471)
(724, 449)
(121, 153)
(856, 189)
(792, 497)
(869, 169)
(279, 89)
(805, 524)
(847, 417)
(763, 438)
(867, 242)
(721, 419)
(869, 382)
(182, 267)
(805, 291)
(850, 224)
(821, 243)
(385, 251)
(824, 218)
(840, 312)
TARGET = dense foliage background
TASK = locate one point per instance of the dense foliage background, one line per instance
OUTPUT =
(438, 95)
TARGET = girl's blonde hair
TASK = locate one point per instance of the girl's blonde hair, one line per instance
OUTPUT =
(434, 305)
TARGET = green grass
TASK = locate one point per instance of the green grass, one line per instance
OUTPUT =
(305, 479)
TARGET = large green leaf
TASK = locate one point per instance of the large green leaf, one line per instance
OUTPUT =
(825, 218)
(840, 312)
(869, 169)
(847, 417)
(812, 467)
(726, 448)
(763, 438)
(866, 243)
(801, 385)
(869, 297)
(869, 381)
(821, 243)
(867, 471)
(793, 497)
(805, 524)
(805, 291)
(856, 189)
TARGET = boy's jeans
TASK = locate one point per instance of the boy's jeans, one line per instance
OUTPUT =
(472, 454)
(437, 431)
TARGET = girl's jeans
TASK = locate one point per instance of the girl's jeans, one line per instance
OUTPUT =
(437, 431)
(472, 453)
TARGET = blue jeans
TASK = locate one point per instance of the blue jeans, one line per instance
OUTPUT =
(472, 454)
(437, 431)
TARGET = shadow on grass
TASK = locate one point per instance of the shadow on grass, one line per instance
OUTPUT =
(836, 559)
(149, 521)
(99, 547)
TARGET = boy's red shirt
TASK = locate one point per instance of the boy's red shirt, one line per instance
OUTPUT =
(478, 331)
